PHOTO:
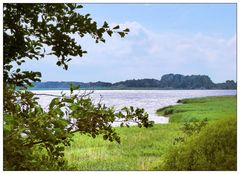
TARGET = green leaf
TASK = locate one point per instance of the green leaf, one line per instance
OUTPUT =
(54, 102)
(71, 6)
(8, 67)
(79, 6)
(74, 87)
(109, 32)
(87, 15)
(67, 100)
(116, 27)
(126, 30)
(65, 66)
(105, 137)
(58, 63)
(131, 108)
(105, 25)
(121, 34)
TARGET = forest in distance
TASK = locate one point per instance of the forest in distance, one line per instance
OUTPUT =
(168, 81)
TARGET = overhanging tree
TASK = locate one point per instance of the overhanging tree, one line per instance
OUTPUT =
(34, 138)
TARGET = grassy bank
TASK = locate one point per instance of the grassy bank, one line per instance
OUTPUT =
(144, 149)
(212, 108)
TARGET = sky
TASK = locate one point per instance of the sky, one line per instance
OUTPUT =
(188, 39)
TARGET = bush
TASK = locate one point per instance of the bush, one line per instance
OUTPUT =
(213, 148)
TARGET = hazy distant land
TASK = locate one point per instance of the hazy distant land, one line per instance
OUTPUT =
(168, 81)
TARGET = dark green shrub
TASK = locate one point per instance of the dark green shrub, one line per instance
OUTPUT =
(190, 128)
(164, 108)
(213, 148)
(168, 111)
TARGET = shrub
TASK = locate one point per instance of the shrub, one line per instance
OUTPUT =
(213, 148)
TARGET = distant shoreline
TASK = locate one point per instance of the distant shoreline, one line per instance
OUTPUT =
(167, 82)
(51, 89)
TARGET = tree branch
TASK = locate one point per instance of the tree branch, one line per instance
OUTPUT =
(52, 95)
(84, 94)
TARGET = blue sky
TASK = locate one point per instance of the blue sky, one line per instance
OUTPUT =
(164, 38)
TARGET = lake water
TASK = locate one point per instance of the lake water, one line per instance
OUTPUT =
(150, 100)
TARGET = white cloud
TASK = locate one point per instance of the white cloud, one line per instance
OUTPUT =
(150, 52)
(147, 54)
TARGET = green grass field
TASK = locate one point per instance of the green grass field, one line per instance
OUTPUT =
(212, 108)
(141, 148)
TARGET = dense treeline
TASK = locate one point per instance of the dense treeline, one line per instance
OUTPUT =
(168, 81)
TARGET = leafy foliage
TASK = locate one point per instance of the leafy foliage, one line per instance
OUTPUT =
(190, 128)
(210, 149)
(29, 28)
(35, 138)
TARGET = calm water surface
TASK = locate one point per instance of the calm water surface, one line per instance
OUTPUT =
(150, 100)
